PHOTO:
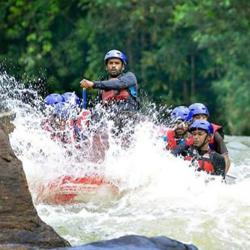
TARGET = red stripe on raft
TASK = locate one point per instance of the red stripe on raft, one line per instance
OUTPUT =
(69, 189)
(63, 198)
(86, 179)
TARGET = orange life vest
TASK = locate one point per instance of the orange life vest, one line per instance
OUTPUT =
(172, 141)
(215, 128)
(114, 95)
(83, 119)
(205, 164)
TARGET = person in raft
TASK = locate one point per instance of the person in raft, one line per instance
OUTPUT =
(65, 121)
(199, 152)
(178, 135)
(200, 111)
(120, 87)
(118, 93)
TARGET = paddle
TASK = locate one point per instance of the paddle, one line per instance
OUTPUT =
(230, 179)
(84, 98)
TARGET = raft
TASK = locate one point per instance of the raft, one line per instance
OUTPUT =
(72, 190)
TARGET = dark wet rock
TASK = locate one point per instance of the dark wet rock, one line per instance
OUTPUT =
(19, 221)
(17, 247)
(135, 242)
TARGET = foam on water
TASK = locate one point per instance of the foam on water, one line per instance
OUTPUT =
(159, 194)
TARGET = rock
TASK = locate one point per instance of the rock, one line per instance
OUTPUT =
(129, 242)
(136, 242)
(19, 221)
(17, 247)
(5, 119)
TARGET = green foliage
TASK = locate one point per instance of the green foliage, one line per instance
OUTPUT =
(181, 51)
(222, 28)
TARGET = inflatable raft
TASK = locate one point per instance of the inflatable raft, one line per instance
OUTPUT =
(71, 190)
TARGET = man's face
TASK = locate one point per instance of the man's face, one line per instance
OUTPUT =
(200, 136)
(200, 117)
(114, 67)
(181, 128)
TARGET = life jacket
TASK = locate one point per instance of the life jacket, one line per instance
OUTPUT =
(173, 142)
(170, 139)
(83, 119)
(216, 128)
(77, 126)
(69, 130)
(204, 164)
(61, 132)
(115, 95)
(56, 130)
(46, 125)
(62, 135)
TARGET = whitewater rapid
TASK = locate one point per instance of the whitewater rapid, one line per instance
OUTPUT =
(159, 194)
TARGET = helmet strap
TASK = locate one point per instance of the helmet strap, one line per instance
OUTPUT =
(203, 143)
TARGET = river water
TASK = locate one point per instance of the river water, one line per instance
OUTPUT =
(159, 194)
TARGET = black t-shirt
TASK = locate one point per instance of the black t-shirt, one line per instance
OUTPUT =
(217, 160)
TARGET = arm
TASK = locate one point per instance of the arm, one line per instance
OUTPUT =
(227, 160)
(219, 163)
(180, 150)
(222, 149)
(122, 82)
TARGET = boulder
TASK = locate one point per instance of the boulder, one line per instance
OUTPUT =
(19, 221)
(136, 242)
(6, 119)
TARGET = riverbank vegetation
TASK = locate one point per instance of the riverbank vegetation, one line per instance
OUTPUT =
(182, 51)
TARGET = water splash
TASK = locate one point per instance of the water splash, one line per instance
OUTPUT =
(159, 194)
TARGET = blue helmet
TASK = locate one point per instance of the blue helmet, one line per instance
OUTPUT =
(71, 98)
(116, 54)
(53, 99)
(203, 125)
(180, 113)
(61, 110)
(198, 109)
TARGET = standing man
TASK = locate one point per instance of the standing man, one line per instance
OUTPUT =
(120, 88)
